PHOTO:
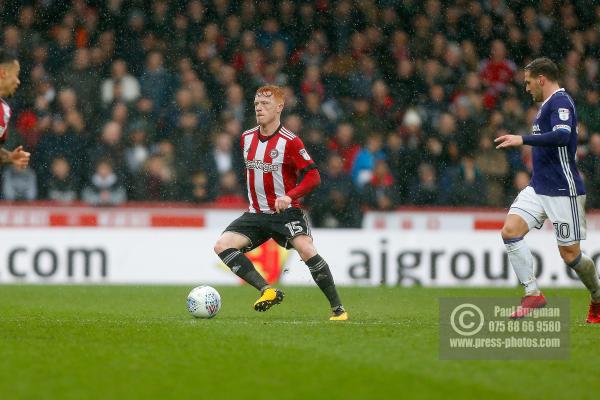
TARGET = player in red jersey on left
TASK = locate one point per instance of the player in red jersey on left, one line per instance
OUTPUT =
(9, 82)
(275, 160)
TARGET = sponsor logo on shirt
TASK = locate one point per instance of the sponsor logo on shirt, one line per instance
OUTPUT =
(261, 165)
(563, 127)
(535, 129)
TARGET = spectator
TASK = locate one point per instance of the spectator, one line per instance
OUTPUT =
(334, 204)
(381, 193)
(230, 193)
(364, 163)
(494, 165)
(383, 105)
(313, 115)
(402, 160)
(61, 50)
(588, 110)
(424, 189)
(62, 186)
(590, 166)
(407, 87)
(197, 189)
(19, 185)
(121, 86)
(11, 42)
(120, 114)
(467, 127)
(156, 82)
(344, 145)
(235, 104)
(189, 141)
(156, 181)
(57, 140)
(314, 141)
(361, 80)
(223, 154)
(110, 146)
(137, 151)
(130, 40)
(363, 120)
(78, 76)
(466, 185)
(312, 82)
(433, 105)
(184, 104)
(519, 182)
(104, 187)
(496, 72)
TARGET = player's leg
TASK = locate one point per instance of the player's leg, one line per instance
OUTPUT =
(229, 249)
(525, 213)
(586, 271)
(513, 233)
(584, 267)
(570, 228)
(290, 229)
(321, 273)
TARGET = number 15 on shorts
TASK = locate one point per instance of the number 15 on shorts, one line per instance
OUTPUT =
(294, 227)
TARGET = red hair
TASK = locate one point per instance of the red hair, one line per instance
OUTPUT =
(271, 90)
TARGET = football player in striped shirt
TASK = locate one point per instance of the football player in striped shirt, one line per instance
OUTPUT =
(555, 192)
(275, 160)
(9, 82)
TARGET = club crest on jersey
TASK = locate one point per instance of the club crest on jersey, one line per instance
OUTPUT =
(563, 114)
(305, 155)
(274, 153)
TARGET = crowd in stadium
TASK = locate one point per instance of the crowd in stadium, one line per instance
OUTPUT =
(397, 101)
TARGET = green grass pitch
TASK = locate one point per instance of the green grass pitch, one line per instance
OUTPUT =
(129, 342)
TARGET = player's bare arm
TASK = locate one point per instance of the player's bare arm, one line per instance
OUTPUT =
(18, 157)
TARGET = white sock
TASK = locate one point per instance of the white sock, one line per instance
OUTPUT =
(586, 270)
(521, 260)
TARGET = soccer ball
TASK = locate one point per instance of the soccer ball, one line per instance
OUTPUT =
(204, 302)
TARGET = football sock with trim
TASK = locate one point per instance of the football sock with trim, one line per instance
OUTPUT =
(322, 275)
(586, 270)
(521, 260)
(243, 267)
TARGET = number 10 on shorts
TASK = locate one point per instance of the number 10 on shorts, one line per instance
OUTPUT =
(562, 230)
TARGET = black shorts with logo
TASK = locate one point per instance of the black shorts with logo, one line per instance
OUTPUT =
(282, 227)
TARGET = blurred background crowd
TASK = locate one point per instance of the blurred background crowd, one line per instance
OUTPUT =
(397, 101)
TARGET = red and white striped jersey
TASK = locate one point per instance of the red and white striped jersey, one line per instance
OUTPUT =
(273, 165)
(4, 119)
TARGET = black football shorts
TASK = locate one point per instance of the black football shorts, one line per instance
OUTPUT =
(282, 227)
